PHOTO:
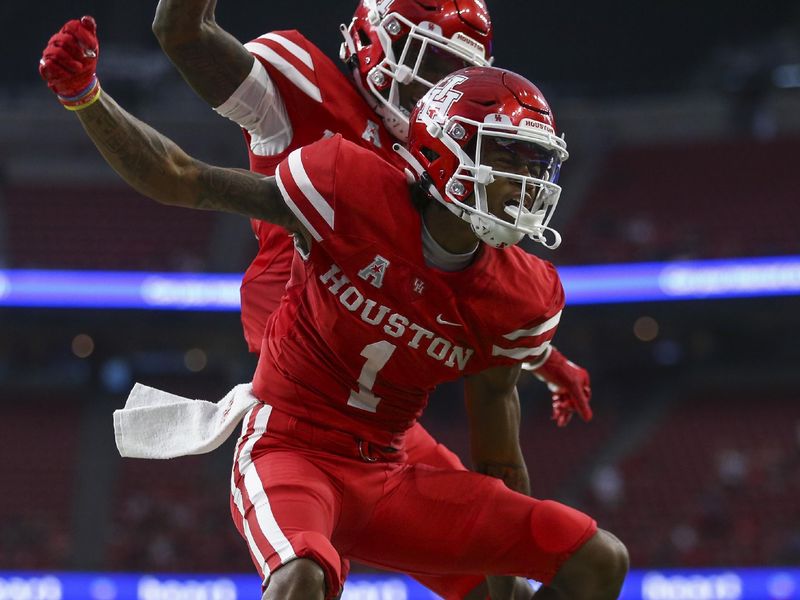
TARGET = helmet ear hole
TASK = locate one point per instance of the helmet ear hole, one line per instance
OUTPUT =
(363, 38)
(429, 154)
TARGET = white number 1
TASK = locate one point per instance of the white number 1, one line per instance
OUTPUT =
(377, 355)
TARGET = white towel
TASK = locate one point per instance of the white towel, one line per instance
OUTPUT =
(157, 424)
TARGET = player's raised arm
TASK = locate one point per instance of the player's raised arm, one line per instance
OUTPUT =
(211, 60)
(147, 160)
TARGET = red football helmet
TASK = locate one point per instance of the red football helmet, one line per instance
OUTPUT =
(398, 49)
(476, 126)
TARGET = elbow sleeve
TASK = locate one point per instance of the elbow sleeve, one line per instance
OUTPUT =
(257, 106)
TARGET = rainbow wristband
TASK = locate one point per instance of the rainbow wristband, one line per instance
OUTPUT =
(88, 96)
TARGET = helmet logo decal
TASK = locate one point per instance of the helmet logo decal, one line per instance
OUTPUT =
(375, 271)
(498, 118)
(531, 124)
(470, 44)
(432, 27)
(440, 99)
(382, 5)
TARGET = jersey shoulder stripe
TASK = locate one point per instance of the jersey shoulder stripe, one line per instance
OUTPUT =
(289, 191)
(530, 342)
(522, 353)
(288, 63)
(318, 203)
(305, 179)
(544, 304)
(549, 324)
(291, 47)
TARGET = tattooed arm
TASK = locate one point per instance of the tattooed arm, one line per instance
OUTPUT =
(155, 166)
(210, 59)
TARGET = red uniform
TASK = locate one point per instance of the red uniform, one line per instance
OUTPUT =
(320, 101)
(363, 335)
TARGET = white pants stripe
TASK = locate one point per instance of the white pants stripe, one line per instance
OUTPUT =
(258, 418)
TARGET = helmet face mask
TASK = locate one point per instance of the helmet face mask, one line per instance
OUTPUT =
(515, 191)
(399, 49)
(490, 158)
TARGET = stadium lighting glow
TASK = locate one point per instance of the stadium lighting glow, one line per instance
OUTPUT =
(596, 284)
(669, 584)
(786, 76)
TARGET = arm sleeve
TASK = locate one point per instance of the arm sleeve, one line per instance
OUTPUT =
(258, 107)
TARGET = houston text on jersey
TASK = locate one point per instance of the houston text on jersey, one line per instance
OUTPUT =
(395, 324)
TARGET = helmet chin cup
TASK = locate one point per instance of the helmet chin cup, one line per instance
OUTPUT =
(397, 127)
(494, 234)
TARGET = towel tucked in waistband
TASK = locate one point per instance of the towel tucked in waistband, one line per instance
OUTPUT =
(157, 424)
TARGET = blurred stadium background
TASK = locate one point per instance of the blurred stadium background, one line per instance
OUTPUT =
(683, 122)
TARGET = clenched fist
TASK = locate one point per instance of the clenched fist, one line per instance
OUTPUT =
(69, 62)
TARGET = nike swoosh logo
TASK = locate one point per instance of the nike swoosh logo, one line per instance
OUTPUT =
(442, 321)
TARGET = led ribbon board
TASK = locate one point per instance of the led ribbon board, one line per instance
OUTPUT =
(596, 284)
(670, 584)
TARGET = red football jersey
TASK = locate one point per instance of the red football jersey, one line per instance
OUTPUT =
(367, 329)
(320, 101)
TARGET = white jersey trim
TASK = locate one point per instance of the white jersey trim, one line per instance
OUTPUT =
(519, 353)
(295, 209)
(287, 68)
(534, 331)
(302, 180)
(540, 360)
(293, 48)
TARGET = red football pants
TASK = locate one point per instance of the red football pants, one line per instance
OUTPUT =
(304, 492)
(423, 449)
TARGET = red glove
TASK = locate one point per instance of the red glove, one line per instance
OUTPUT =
(570, 385)
(69, 61)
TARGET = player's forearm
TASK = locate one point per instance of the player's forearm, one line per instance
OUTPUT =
(505, 461)
(148, 161)
(155, 166)
(494, 413)
(212, 61)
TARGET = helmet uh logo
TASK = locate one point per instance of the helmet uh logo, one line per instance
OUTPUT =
(439, 101)
(381, 5)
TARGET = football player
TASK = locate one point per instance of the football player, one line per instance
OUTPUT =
(75, 47)
(285, 93)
